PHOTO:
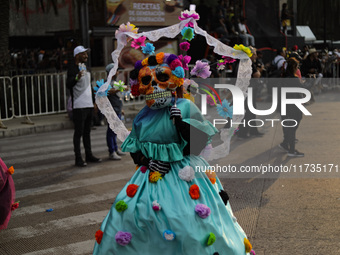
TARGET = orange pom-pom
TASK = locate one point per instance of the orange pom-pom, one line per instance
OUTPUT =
(160, 57)
(11, 170)
(210, 173)
(131, 190)
(137, 166)
(99, 236)
(213, 180)
(194, 191)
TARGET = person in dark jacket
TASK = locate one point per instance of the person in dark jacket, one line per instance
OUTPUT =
(117, 105)
(293, 115)
(79, 83)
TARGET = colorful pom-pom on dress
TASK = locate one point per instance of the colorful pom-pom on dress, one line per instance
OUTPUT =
(181, 212)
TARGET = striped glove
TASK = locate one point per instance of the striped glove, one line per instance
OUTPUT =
(175, 112)
(159, 166)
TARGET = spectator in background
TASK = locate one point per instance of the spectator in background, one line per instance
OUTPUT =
(293, 114)
(285, 18)
(79, 83)
(220, 23)
(117, 105)
(246, 38)
(280, 58)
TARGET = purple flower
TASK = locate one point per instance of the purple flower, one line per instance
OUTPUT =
(201, 69)
(138, 65)
(123, 238)
(202, 210)
(171, 58)
(133, 82)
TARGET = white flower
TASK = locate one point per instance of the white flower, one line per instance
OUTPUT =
(187, 173)
(156, 206)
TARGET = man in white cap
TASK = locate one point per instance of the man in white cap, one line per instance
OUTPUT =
(79, 83)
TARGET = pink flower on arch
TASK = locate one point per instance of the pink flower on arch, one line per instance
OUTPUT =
(185, 61)
(184, 46)
(139, 42)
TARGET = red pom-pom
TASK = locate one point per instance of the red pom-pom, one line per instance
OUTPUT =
(143, 169)
(175, 63)
(194, 191)
(99, 236)
(135, 90)
(131, 190)
(14, 206)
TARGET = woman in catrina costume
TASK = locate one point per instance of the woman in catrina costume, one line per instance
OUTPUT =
(170, 206)
(7, 194)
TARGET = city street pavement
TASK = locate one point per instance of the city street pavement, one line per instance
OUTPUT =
(282, 213)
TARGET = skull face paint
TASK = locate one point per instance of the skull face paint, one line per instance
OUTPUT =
(156, 83)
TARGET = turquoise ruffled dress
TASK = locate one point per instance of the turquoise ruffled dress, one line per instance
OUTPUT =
(162, 217)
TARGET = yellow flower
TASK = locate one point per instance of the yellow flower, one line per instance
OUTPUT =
(155, 176)
(131, 27)
(247, 244)
(244, 49)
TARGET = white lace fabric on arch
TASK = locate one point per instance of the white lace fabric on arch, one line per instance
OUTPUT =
(242, 81)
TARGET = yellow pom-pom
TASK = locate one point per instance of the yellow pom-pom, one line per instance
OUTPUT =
(244, 49)
(155, 176)
(247, 244)
(145, 62)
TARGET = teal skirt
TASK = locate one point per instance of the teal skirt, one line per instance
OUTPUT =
(179, 226)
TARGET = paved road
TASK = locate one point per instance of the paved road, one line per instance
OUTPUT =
(46, 178)
(293, 215)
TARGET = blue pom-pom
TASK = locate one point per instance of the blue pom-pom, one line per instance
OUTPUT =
(179, 72)
(148, 48)
(169, 235)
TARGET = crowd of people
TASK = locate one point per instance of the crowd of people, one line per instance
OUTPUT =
(30, 61)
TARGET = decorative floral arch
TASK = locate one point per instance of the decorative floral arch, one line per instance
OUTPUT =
(187, 17)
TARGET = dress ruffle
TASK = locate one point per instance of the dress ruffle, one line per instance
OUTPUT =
(165, 152)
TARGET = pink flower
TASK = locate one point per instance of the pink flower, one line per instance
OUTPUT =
(228, 60)
(184, 46)
(185, 61)
(189, 14)
(139, 42)
(211, 101)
